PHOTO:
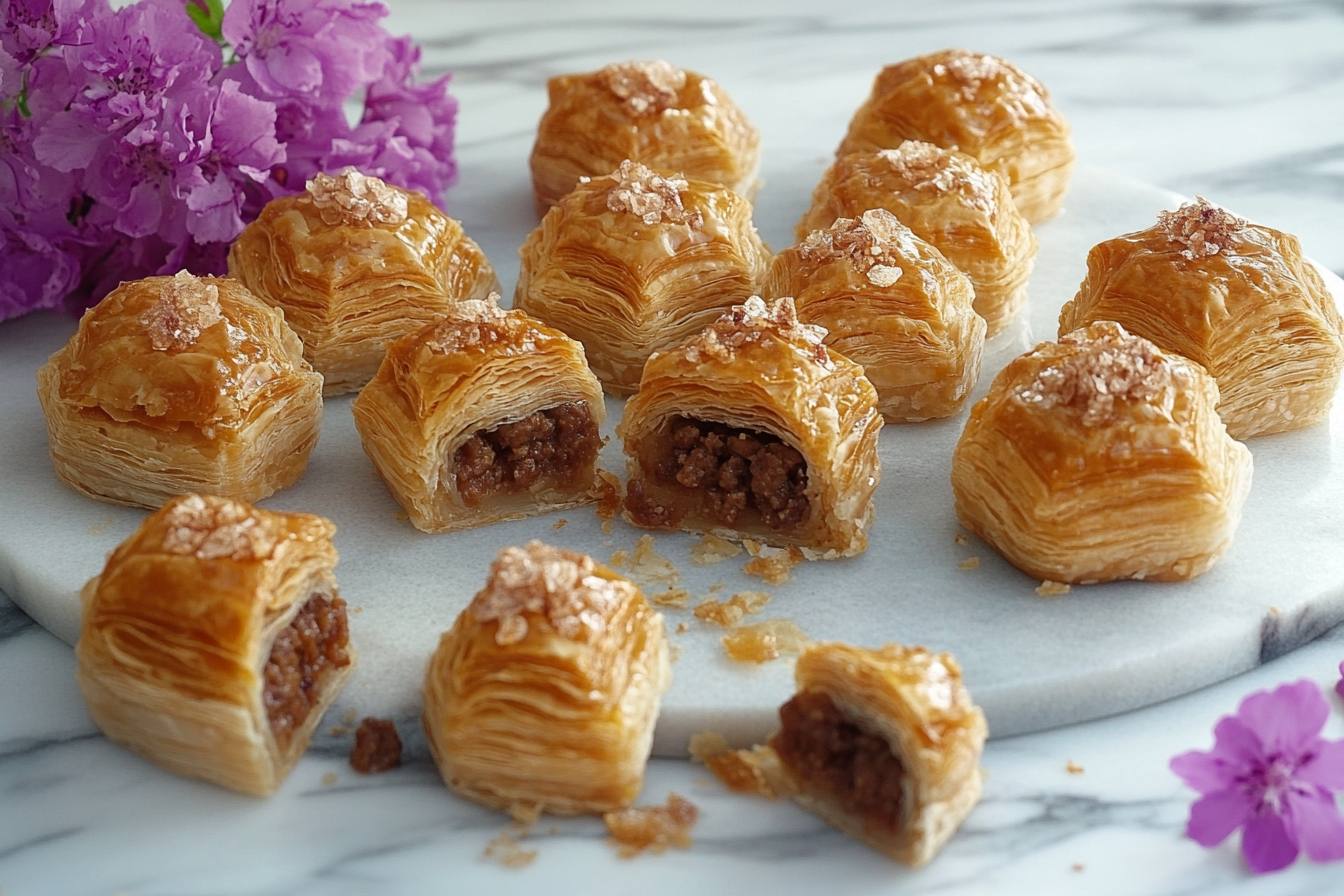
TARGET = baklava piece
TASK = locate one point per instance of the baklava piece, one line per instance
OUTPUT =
(981, 105)
(544, 693)
(180, 384)
(1237, 298)
(892, 303)
(636, 262)
(651, 112)
(486, 415)
(753, 429)
(1101, 457)
(355, 264)
(963, 210)
(214, 639)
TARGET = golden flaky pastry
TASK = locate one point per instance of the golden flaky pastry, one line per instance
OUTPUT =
(981, 105)
(754, 429)
(1238, 298)
(892, 303)
(180, 384)
(1101, 457)
(356, 263)
(635, 262)
(486, 415)
(545, 691)
(214, 640)
(948, 200)
(652, 112)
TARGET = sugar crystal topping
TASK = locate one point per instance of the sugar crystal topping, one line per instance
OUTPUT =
(351, 198)
(873, 243)
(932, 169)
(472, 322)
(1202, 227)
(558, 584)
(211, 528)
(186, 306)
(753, 321)
(645, 87)
(650, 197)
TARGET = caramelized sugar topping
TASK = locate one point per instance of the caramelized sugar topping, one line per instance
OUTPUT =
(316, 641)
(212, 527)
(350, 198)
(650, 197)
(186, 306)
(646, 88)
(873, 243)
(1202, 227)
(932, 169)
(971, 74)
(752, 322)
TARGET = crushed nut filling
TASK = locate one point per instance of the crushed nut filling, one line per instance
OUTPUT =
(553, 446)
(315, 642)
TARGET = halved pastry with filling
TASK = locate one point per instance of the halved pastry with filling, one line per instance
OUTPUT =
(753, 429)
(486, 415)
(892, 303)
(214, 639)
(1237, 298)
(981, 105)
(635, 262)
(1101, 457)
(180, 384)
(356, 263)
(545, 691)
(963, 210)
(651, 112)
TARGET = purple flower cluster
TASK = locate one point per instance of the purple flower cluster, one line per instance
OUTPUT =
(141, 140)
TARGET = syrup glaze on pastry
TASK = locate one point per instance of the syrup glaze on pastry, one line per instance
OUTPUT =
(180, 384)
(965, 211)
(1233, 296)
(892, 303)
(981, 105)
(355, 264)
(651, 112)
(486, 415)
(635, 262)
(1085, 451)
(754, 429)
(545, 691)
(214, 639)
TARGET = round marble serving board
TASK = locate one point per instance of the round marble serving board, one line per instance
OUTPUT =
(1031, 662)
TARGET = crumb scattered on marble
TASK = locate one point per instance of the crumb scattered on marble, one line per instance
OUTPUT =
(350, 718)
(674, 652)
(606, 528)
(741, 772)
(357, 609)
(1048, 588)
(730, 612)
(652, 828)
(401, 516)
(764, 641)
(969, 563)
(776, 568)
(672, 599)
(711, 549)
(1077, 866)
(1073, 768)
(608, 495)
(647, 566)
(1274, 611)
(559, 524)
(507, 851)
(525, 814)
(98, 527)
(619, 559)
(704, 744)
(682, 628)
(716, 588)
(329, 779)
(961, 539)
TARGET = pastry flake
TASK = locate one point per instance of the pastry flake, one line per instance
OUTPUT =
(214, 639)
(180, 384)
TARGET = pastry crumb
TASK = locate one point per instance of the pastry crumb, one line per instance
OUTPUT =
(741, 772)
(357, 609)
(377, 747)
(969, 563)
(652, 828)
(329, 779)
(705, 744)
(711, 549)
(619, 559)
(607, 491)
(606, 528)
(508, 851)
(97, 529)
(674, 652)
(525, 814)
(682, 628)
(1073, 768)
(730, 612)
(961, 540)
(559, 524)
(1048, 588)
(764, 641)
(649, 567)
(672, 598)
(1077, 866)
(401, 516)
(775, 568)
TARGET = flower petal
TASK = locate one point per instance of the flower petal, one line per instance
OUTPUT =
(1326, 767)
(1318, 824)
(1267, 844)
(1236, 743)
(1202, 771)
(1339, 685)
(1288, 717)
(1217, 815)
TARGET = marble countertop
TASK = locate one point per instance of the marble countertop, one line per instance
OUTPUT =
(1236, 101)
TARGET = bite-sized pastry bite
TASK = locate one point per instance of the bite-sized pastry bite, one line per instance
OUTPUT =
(356, 263)
(1237, 298)
(963, 210)
(635, 262)
(482, 416)
(214, 639)
(753, 429)
(544, 693)
(180, 384)
(892, 303)
(981, 105)
(651, 112)
(1101, 457)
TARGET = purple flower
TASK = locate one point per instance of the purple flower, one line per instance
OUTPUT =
(30, 27)
(1272, 774)
(1339, 685)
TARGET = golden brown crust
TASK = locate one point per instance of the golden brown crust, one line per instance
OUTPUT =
(1084, 451)
(545, 691)
(180, 384)
(178, 629)
(355, 264)
(981, 105)
(1233, 296)
(651, 112)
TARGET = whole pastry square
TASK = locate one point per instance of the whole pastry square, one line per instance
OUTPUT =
(355, 264)
(753, 429)
(545, 691)
(214, 639)
(1101, 457)
(892, 303)
(650, 112)
(634, 263)
(981, 105)
(180, 384)
(486, 415)
(1237, 298)
(963, 210)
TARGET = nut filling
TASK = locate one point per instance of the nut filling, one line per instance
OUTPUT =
(733, 471)
(557, 445)
(833, 755)
(302, 654)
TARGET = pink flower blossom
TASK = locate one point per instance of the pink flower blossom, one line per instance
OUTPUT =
(1339, 685)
